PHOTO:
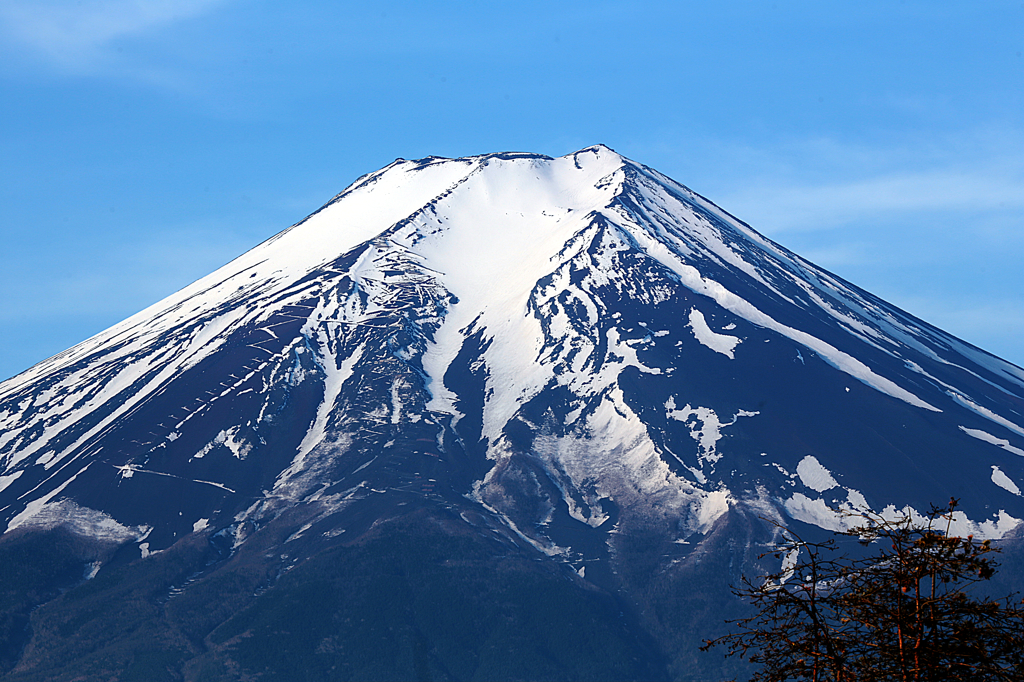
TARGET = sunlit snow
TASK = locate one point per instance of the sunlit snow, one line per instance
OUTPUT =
(720, 343)
(815, 476)
(986, 413)
(1004, 481)
(995, 440)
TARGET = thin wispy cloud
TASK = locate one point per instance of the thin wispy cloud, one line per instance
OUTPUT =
(127, 276)
(819, 184)
(792, 206)
(79, 37)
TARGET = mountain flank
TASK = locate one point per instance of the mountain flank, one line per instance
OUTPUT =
(499, 417)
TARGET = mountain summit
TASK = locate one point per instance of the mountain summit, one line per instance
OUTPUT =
(574, 368)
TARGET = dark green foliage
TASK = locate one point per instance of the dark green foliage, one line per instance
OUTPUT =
(414, 605)
(910, 611)
(33, 570)
(153, 665)
(417, 598)
(112, 624)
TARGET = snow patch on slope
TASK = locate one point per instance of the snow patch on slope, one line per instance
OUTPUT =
(228, 438)
(848, 515)
(79, 520)
(720, 343)
(612, 456)
(814, 475)
(1004, 481)
(705, 427)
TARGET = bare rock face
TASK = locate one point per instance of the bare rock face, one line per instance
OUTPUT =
(503, 417)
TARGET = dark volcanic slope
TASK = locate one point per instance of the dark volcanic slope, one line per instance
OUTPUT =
(476, 400)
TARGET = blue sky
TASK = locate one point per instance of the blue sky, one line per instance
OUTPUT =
(144, 143)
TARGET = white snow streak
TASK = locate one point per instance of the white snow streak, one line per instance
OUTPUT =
(987, 414)
(989, 438)
(9, 479)
(336, 377)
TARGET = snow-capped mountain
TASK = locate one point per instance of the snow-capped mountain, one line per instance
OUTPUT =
(574, 355)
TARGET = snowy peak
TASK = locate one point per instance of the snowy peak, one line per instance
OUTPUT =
(572, 340)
